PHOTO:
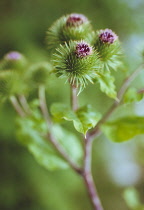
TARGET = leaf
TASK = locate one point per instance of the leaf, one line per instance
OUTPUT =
(30, 132)
(107, 85)
(124, 129)
(83, 119)
(132, 96)
(132, 199)
(70, 143)
(87, 119)
(40, 149)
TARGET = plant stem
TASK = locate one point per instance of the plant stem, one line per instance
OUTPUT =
(88, 178)
(87, 174)
(74, 98)
(96, 131)
(141, 91)
(16, 106)
(128, 81)
(50, 136)
(24, 104)
(43, 106)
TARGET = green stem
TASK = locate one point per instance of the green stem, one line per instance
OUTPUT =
(96, 131)
(50, 136)
(16, 106)
(24, 104)
(74, 98)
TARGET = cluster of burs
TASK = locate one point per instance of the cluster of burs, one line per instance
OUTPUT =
(79, 54)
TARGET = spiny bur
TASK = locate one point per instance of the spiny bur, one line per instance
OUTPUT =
(78, 62)
(13, 61)
(108, 46)
(70, 27)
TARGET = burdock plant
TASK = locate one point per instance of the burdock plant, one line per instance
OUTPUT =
(81, 56)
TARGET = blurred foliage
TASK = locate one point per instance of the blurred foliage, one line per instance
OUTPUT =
(24, 184)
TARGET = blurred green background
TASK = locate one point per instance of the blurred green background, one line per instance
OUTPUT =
(25, 185)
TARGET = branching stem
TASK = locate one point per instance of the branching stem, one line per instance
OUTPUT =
(17, 106)
(96, 131)
(87, 174)
(24, 104)
(50, 136)
(88, 178)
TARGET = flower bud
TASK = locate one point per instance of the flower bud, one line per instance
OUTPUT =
(39, 73)
(13, 56)
(13, 61)
(70, 27)
(75, 20)
(107, 36)
(109, 50)
(78, 62)
(83, 49)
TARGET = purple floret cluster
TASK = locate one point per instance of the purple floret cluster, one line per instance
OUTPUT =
(107, 36)
(13, 56)
(83, 49)
(76, 20)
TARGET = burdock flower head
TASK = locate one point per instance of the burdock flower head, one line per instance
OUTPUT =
(78, 62)
(13, 61)
(76, 20)
(107, 36)
(108, 46)
(83, 49)
(70, 27)
(13, 56)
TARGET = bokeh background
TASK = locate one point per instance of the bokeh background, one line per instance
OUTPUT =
(25, 185)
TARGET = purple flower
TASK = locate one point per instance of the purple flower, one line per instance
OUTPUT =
(83, 49)
(13, 56)
(107, 36)
(76, 20)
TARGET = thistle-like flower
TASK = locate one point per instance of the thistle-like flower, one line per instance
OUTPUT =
(107, 36)
(70, 27)
(78, 62)
(38, 74)
(13, 61)
(75, 20)
(83, 49)
(13, 56)
(108, 46)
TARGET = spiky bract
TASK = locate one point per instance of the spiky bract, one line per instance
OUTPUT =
(13, 61)
(77, 69)
(66, 29)
(108, 48)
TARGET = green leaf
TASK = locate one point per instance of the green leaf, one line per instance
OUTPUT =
(87, 119)
(83, 119)
(31, 132)
(132, 199)
(107, 85)
(69, 142)
(124, 129)
(132, 96)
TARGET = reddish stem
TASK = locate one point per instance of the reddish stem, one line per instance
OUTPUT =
(88, 178)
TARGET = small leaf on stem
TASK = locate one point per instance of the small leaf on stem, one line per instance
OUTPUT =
(83, 119)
